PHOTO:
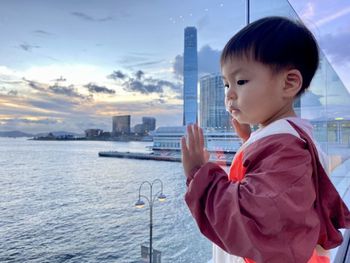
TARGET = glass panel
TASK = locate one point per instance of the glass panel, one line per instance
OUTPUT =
(326, 104)
(108, 73)
(72, 66)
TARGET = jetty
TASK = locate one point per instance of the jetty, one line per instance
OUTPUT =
(221, 158)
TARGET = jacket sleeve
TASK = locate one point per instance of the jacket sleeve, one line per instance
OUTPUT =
(269, 216)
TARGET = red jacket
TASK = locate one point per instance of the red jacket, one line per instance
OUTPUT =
(276, 205)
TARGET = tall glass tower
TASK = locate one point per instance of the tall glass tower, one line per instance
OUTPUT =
(190, 76)
(212, 111)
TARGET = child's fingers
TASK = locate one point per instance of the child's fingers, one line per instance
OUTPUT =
(206, 155)
(196, 137)
(242, 130)
(235, 124)
(201, 139)
(190, 138)
(184, 149)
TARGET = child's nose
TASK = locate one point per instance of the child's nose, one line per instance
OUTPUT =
(231, 94)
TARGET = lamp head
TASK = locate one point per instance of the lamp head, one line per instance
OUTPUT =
(140, 203)
(161, 197)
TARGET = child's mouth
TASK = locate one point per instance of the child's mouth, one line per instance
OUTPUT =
(232, 111)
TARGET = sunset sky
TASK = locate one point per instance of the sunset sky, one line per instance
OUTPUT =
(73, 64)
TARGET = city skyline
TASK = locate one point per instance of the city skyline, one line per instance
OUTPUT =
(73, 65)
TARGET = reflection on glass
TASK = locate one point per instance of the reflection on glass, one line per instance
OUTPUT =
(326, 104)
(71, 67)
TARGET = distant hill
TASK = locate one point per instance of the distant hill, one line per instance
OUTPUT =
(14, 134)
(57, 133)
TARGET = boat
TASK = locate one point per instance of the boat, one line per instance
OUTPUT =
(168, 138)
(221, 144)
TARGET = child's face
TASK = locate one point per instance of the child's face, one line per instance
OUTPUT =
(254, 94)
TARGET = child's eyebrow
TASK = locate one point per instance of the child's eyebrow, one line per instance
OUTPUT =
(235, 72)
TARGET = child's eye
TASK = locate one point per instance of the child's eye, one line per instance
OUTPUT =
(242, 82)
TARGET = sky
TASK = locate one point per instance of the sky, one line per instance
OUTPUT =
(73, 64)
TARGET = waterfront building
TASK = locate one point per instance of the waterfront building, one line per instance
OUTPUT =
(89, 133)
(121, 124)
(149, 123)
(139, 129)
(212, 110)
(190, 73)
(168, 139)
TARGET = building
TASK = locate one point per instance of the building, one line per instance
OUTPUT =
(190, 74)
(139, 129)
(89, 133)
(168, 139)
(149, 123)
(212, 103)
(121, 124)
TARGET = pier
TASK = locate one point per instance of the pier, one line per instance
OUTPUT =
(221, 158)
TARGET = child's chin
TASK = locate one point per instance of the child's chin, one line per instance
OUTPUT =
(242, 121)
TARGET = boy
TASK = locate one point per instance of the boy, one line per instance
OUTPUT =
(277, 203)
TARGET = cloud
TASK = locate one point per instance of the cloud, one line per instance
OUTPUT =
(57, 89)
(93, 88)
(117, 75)
(308, 12)
(149, 85)
(35, 113)
(9, 76)
(179, 97)
(12, 93)
(5, 91)
(164, 83)
(35, 85)
(42, 32)
(53, 105)
(136, 60)
(143, 84)
(178, 66)
(333, 16)
(16, 121)
(38, 101)
(69, 91)
(208, 62)
(87, 17)
(138, 86)
(28, 47)
(156, 102)
(12, 82)
(203, 22)
(144, 64)
(139, 74)
(337, 46)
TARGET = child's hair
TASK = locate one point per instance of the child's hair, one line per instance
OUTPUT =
(279, 43)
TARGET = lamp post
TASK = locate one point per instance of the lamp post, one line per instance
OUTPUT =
(151, 199)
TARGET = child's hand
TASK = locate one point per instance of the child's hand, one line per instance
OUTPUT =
(193, 154)
(242, 130)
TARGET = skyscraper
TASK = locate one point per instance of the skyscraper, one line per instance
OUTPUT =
(212, 103)
(190, 107)
(149, 123)
(121, 124)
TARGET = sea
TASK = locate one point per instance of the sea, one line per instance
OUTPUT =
(61, 202)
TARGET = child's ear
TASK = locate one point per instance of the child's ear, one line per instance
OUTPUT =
(292, 83)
